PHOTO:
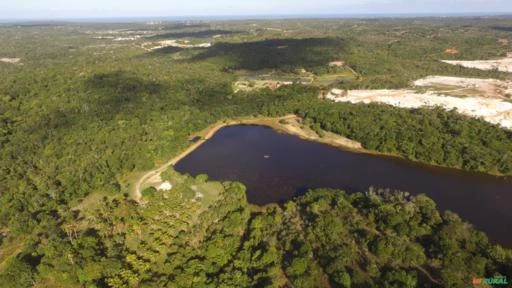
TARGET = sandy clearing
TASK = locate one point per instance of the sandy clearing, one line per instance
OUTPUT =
(492, 110)
(103, 37)
(336, 64)
(491, 88)
(504, 65)
(296, 127)
(503, 42)
(452, 51)
(173, 43)
(10, 60)
(131, 38)
(249, 85)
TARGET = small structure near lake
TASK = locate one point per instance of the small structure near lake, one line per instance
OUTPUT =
(165, 186)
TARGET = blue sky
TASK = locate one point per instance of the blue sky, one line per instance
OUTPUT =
(55, 9)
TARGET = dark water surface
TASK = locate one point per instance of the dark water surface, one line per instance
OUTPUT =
(276, 167)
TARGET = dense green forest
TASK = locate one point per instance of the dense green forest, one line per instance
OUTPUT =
(83, 115)
(324, 238)
(427, 135)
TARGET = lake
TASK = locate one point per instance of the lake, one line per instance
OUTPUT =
(276, 167)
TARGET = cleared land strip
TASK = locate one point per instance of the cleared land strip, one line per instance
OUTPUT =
(495, 111)
(490, 88)
(488, 99)
(504, 65)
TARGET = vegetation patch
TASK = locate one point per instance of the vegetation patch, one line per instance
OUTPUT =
(437, 134)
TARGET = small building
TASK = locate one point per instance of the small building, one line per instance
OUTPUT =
(165, 186)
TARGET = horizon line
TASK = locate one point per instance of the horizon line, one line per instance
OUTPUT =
(261, 16)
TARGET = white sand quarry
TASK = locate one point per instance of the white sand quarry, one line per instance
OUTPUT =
(504, 64)
(491, 109)
(491, 88)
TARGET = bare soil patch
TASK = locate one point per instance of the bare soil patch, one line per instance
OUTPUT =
(248, 85)
(504, 65)
(452, 51)
(150, 46)
(459, 86)
(11, 60)
(503, 42)
(336, 64)
(496, 111)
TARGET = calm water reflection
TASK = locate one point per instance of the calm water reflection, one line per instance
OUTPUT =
(276, 166)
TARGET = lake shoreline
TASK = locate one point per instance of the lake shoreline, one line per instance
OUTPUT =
(304, 133)
(289, 124)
